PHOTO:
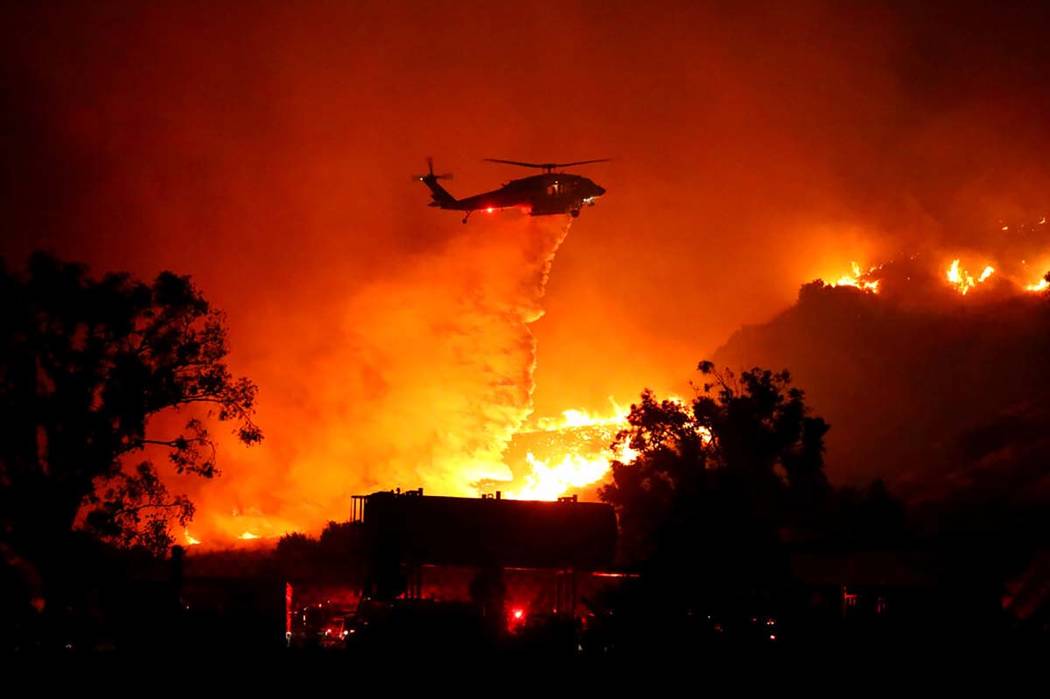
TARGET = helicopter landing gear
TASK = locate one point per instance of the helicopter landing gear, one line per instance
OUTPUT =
(575, 213)
(467, 216)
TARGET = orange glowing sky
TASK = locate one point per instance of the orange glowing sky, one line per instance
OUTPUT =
(267, 148)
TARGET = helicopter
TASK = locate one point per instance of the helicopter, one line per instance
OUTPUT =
(538, 195)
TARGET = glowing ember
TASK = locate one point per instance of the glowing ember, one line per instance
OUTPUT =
(1041, 285)
(190, 540)
(248, 536)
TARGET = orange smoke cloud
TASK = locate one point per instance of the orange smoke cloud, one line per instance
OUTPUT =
(428, 378)
(265, 150)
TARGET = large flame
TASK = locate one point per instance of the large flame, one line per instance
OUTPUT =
(860, 279)
(962, 280)
(556, 456)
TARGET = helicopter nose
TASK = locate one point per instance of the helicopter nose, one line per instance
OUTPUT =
(600, 190)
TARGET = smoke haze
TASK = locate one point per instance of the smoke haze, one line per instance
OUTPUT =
(266, 148)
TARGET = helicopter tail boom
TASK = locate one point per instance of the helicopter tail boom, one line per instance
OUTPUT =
(439, 194)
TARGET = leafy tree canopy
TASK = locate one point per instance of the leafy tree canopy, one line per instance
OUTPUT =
(85, 367)
(720, 476)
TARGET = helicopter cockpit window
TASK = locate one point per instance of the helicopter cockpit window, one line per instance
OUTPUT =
(553, 189)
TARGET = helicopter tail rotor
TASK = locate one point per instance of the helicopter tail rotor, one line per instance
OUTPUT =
(430, 176)
(439, 195)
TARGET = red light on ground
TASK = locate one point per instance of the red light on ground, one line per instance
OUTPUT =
(516, 619)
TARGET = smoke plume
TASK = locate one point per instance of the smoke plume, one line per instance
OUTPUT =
(426, 378)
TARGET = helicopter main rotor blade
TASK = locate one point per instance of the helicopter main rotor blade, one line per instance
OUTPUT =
(545, 166)
(583, 162)
(517, 162)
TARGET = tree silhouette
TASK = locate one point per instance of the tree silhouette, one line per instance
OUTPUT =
(336, 556)
(92, 374)
(716, 480)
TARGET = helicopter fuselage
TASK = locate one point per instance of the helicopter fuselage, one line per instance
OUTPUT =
(538, 195)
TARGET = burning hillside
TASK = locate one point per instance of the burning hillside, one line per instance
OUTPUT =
(955, 275)
(932, 376)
